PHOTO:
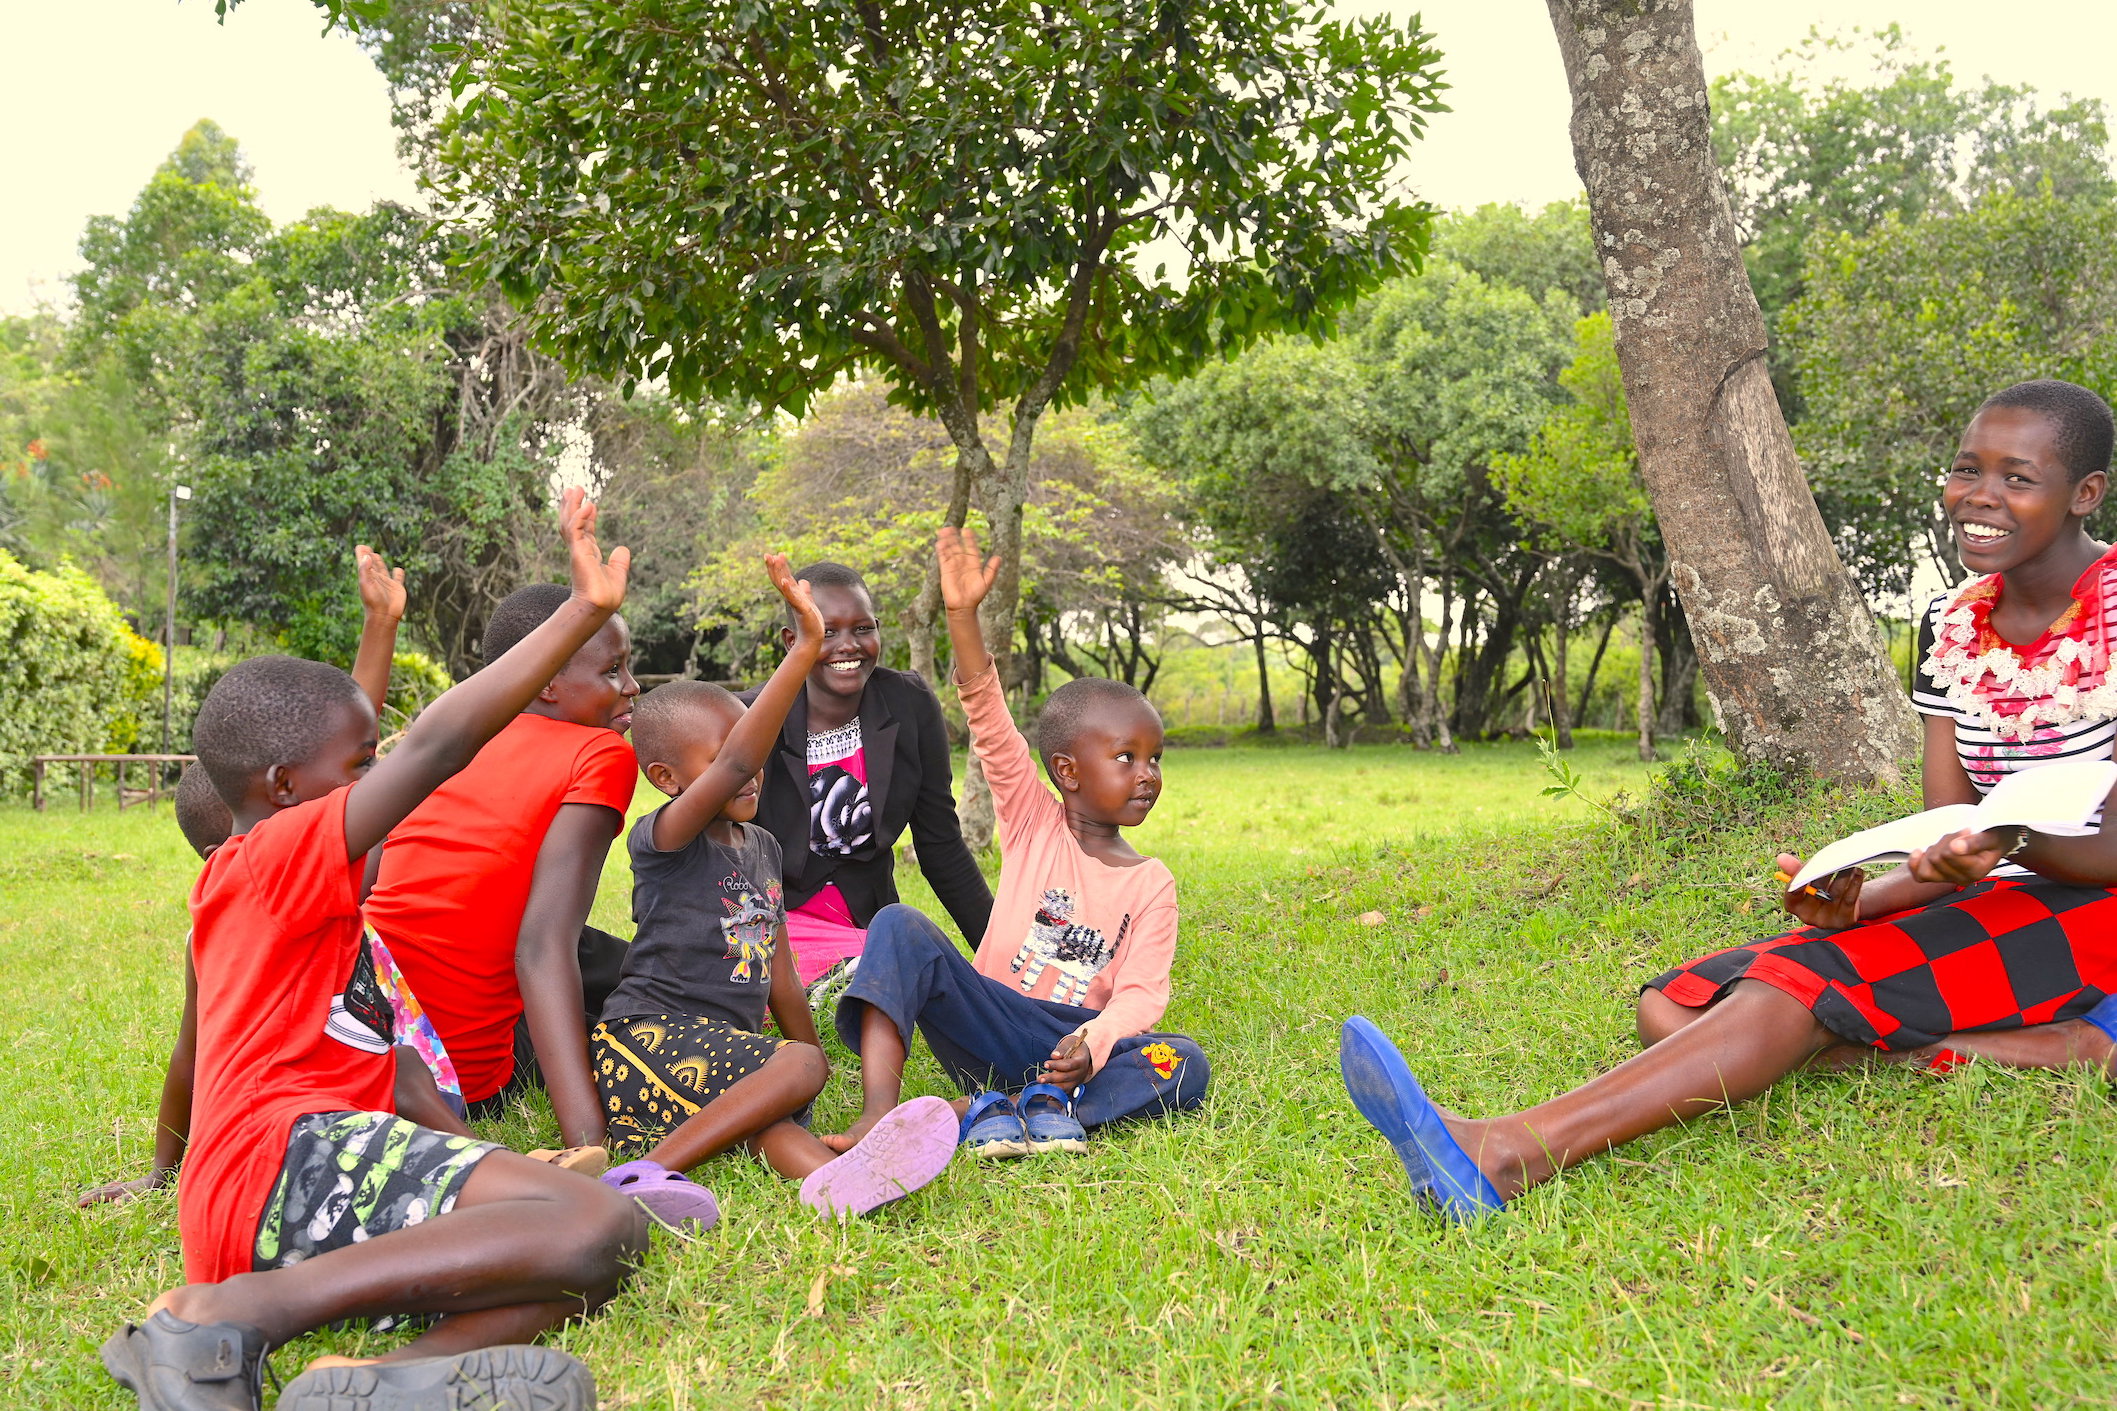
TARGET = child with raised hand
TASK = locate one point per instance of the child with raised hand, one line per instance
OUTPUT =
(302, 1185)
(427, 1090)
(679, 1054)
(1072, 974)
(1999, 946)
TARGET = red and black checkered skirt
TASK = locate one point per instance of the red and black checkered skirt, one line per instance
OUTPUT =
(1999, 955)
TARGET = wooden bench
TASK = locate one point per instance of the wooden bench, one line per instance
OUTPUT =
(88, 763)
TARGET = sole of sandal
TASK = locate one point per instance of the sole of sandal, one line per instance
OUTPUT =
(904, 1152)
(1064, 1146)
(588, 1160)
(489, 1379)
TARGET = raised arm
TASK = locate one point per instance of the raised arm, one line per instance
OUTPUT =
(936, 831)
(382, 608)
(449, 733)
(965, 580)
(749, 744)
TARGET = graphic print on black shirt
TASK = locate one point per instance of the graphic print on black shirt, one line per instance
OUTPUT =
(748, 925)
(709, 919)
(1055, 939)
(360, 1015)
(841, 819)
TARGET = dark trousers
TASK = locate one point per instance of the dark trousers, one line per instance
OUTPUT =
(991, 1035)
(602, 957)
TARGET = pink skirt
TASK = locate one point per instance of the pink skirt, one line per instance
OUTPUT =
(822, 932)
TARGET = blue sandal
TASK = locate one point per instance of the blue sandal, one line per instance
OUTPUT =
(1381, 1086)
(1047, 1116)
(2104, 1016)
(992, 1128)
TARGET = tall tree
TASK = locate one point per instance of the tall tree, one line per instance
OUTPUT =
(325, 382)
(1903, 330)
(1802, 155)
(1272, 454)
(1793, 661)
(1535, 252)
(1579, 482)
(750, 201)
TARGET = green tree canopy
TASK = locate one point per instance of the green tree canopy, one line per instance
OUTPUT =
(1802, 156)
(1905, 329)
(1004, 207)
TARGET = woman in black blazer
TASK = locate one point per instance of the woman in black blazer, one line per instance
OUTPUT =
(864, 753)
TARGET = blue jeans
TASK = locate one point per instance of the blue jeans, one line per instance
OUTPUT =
(991, 1035)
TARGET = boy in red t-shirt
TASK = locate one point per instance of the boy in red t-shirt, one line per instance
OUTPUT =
(301, 1184)
(483, 892)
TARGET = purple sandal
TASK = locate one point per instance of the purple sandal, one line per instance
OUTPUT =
(673, 1199)
(907, 1149)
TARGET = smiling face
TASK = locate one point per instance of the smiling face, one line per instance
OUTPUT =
(705, 729)
(2009, 496)
(852, 643)
(595, 687)
(1111, 771)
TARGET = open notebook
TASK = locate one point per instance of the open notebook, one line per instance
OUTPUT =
(2050, 798)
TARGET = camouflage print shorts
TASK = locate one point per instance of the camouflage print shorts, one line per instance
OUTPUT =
(350, 1176)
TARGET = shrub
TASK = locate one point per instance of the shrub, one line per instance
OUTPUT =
(415, 679)
(74, 679)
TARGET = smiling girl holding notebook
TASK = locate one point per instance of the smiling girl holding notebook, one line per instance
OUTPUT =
(1996, 944)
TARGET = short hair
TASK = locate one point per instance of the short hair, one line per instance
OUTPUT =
(663, 716)
(825, 574)
(201, 814)
(265, 711)
(2081, 426)
(1076, 705)
(520, 613)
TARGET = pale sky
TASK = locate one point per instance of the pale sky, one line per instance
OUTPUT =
(103, 89)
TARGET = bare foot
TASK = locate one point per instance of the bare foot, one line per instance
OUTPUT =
(333, 1360)
(845, 1141)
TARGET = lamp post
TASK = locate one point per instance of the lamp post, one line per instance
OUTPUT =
(176, 492)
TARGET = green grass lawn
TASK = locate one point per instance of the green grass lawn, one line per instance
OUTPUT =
(1883, 1239)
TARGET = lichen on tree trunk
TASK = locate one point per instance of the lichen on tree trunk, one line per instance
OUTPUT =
(1792, 658)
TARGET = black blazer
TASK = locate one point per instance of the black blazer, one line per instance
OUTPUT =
(909, 781)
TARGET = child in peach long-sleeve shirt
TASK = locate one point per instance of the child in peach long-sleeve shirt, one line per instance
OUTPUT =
(1072, 975)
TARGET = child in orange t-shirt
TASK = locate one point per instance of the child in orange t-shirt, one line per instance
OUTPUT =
(483, 892)
(301, 1185)
(427, 1090)
(1072, 976)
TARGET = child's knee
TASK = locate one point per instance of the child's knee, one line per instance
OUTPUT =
(611, 1232)
(1194, 1074)
(1658, 1016)
(900, 927)
(804, 1068)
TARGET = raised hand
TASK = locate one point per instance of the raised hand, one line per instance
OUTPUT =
(1961, 858)
(808, 621)
(1831, 903)
(381, 587)
(965, 577)
(599, 581)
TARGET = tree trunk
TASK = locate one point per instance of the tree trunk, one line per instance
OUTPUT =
(1587, 690)
(1561, 712)
(1646, 687)
(1265, 724)
(1791, 655)
(1679, 666)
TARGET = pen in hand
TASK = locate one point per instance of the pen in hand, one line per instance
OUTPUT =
(1786, 880)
